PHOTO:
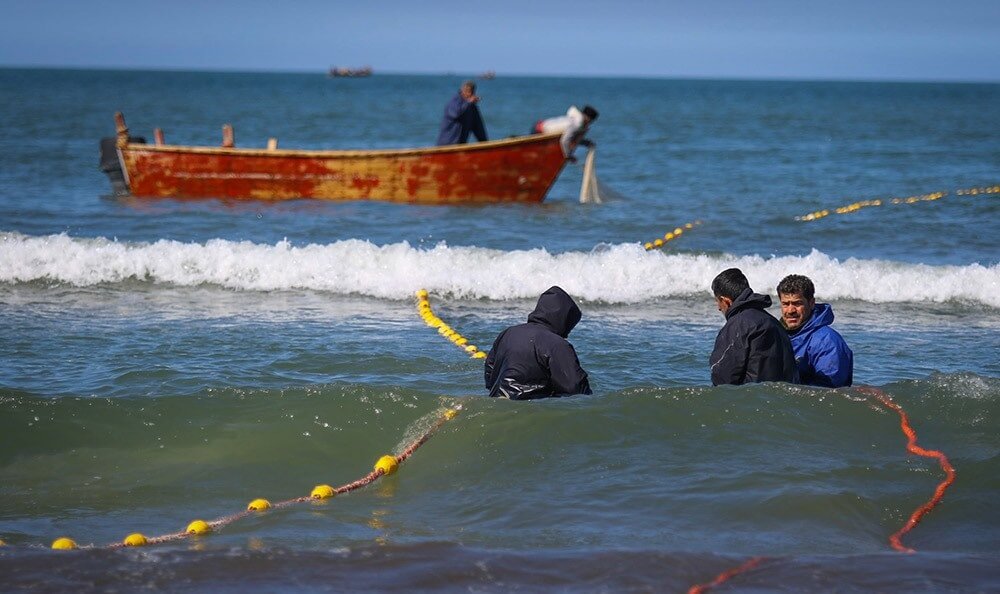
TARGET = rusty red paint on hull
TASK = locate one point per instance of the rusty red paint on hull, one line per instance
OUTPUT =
(520, 169)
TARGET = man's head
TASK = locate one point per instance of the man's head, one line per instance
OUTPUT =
(468, 89)
(796, 294)
(557, 310)
(727, 286)
(589, 113)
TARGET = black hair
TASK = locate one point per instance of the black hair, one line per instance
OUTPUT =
(730, 283)
(796, 284)
(590, 112)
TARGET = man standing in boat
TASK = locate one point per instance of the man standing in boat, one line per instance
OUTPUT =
(574, 126)
(462, 117)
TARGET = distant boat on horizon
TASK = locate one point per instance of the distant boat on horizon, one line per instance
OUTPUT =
(342, 71)
(488, 75)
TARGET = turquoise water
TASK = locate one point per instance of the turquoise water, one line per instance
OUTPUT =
(164, 361)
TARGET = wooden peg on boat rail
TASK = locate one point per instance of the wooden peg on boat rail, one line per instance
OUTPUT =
(227, 136)
(272, 144)
(121, 130)
(158, 136)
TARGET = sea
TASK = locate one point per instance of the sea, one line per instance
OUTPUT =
(168, 360)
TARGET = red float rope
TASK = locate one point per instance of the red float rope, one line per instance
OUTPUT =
(895, 541)
(911, 445)
(725, 575)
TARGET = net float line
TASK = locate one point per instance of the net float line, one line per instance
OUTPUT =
(929, 197)
(895, 540)
(980, 190)
(425, 311)
(386, 465)
(856, 206)
(669, 236)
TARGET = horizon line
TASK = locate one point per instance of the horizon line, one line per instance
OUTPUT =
(630, 76)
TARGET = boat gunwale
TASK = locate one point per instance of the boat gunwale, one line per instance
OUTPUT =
(505, 143)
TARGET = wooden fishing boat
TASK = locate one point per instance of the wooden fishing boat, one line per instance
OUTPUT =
(518, 169)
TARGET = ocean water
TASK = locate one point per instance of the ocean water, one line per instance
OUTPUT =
(168, 360)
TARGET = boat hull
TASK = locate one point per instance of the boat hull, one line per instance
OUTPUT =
(520, 169)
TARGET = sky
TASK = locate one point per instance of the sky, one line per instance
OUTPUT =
(920, 40)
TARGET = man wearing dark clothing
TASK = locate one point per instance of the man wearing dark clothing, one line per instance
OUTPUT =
(535, 360)
(752, 346)
(462, 117)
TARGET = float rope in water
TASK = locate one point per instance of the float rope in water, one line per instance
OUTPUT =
(424, 309)
(856, 206)
(726, 575)
(977, 191)
(911, 446)
(669, 236)
(385, 465)
(895, 540)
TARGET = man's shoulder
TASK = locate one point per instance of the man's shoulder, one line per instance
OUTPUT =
(543, 336)
(532, 329)
(556, 124)
(518, 329)
(825, 335)
(457, 101)
(754, 316)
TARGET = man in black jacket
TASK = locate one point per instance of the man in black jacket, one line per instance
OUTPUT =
(752, 346)
(535, 360)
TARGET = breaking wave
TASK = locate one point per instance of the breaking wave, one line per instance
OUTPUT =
(623, 273)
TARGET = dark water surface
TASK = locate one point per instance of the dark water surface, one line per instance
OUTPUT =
(164, 361)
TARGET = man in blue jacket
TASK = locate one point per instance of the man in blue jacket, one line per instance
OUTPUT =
(462, 117)
(535, 360)
(752, 346)
(822, 356)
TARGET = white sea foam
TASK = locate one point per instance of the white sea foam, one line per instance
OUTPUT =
(611, 274)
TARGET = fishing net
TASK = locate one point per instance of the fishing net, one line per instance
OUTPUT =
(592, 191)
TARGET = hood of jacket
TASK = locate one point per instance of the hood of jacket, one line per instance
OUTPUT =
(822, 315)
(748, 300)
(556, 310)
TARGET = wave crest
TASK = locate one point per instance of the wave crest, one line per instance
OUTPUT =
(623, 273)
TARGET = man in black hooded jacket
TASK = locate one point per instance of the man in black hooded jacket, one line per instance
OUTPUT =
(535, 360)
(752, 346)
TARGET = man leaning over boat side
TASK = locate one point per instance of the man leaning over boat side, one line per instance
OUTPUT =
(462, 117)
(821, 354)
(574, 126)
